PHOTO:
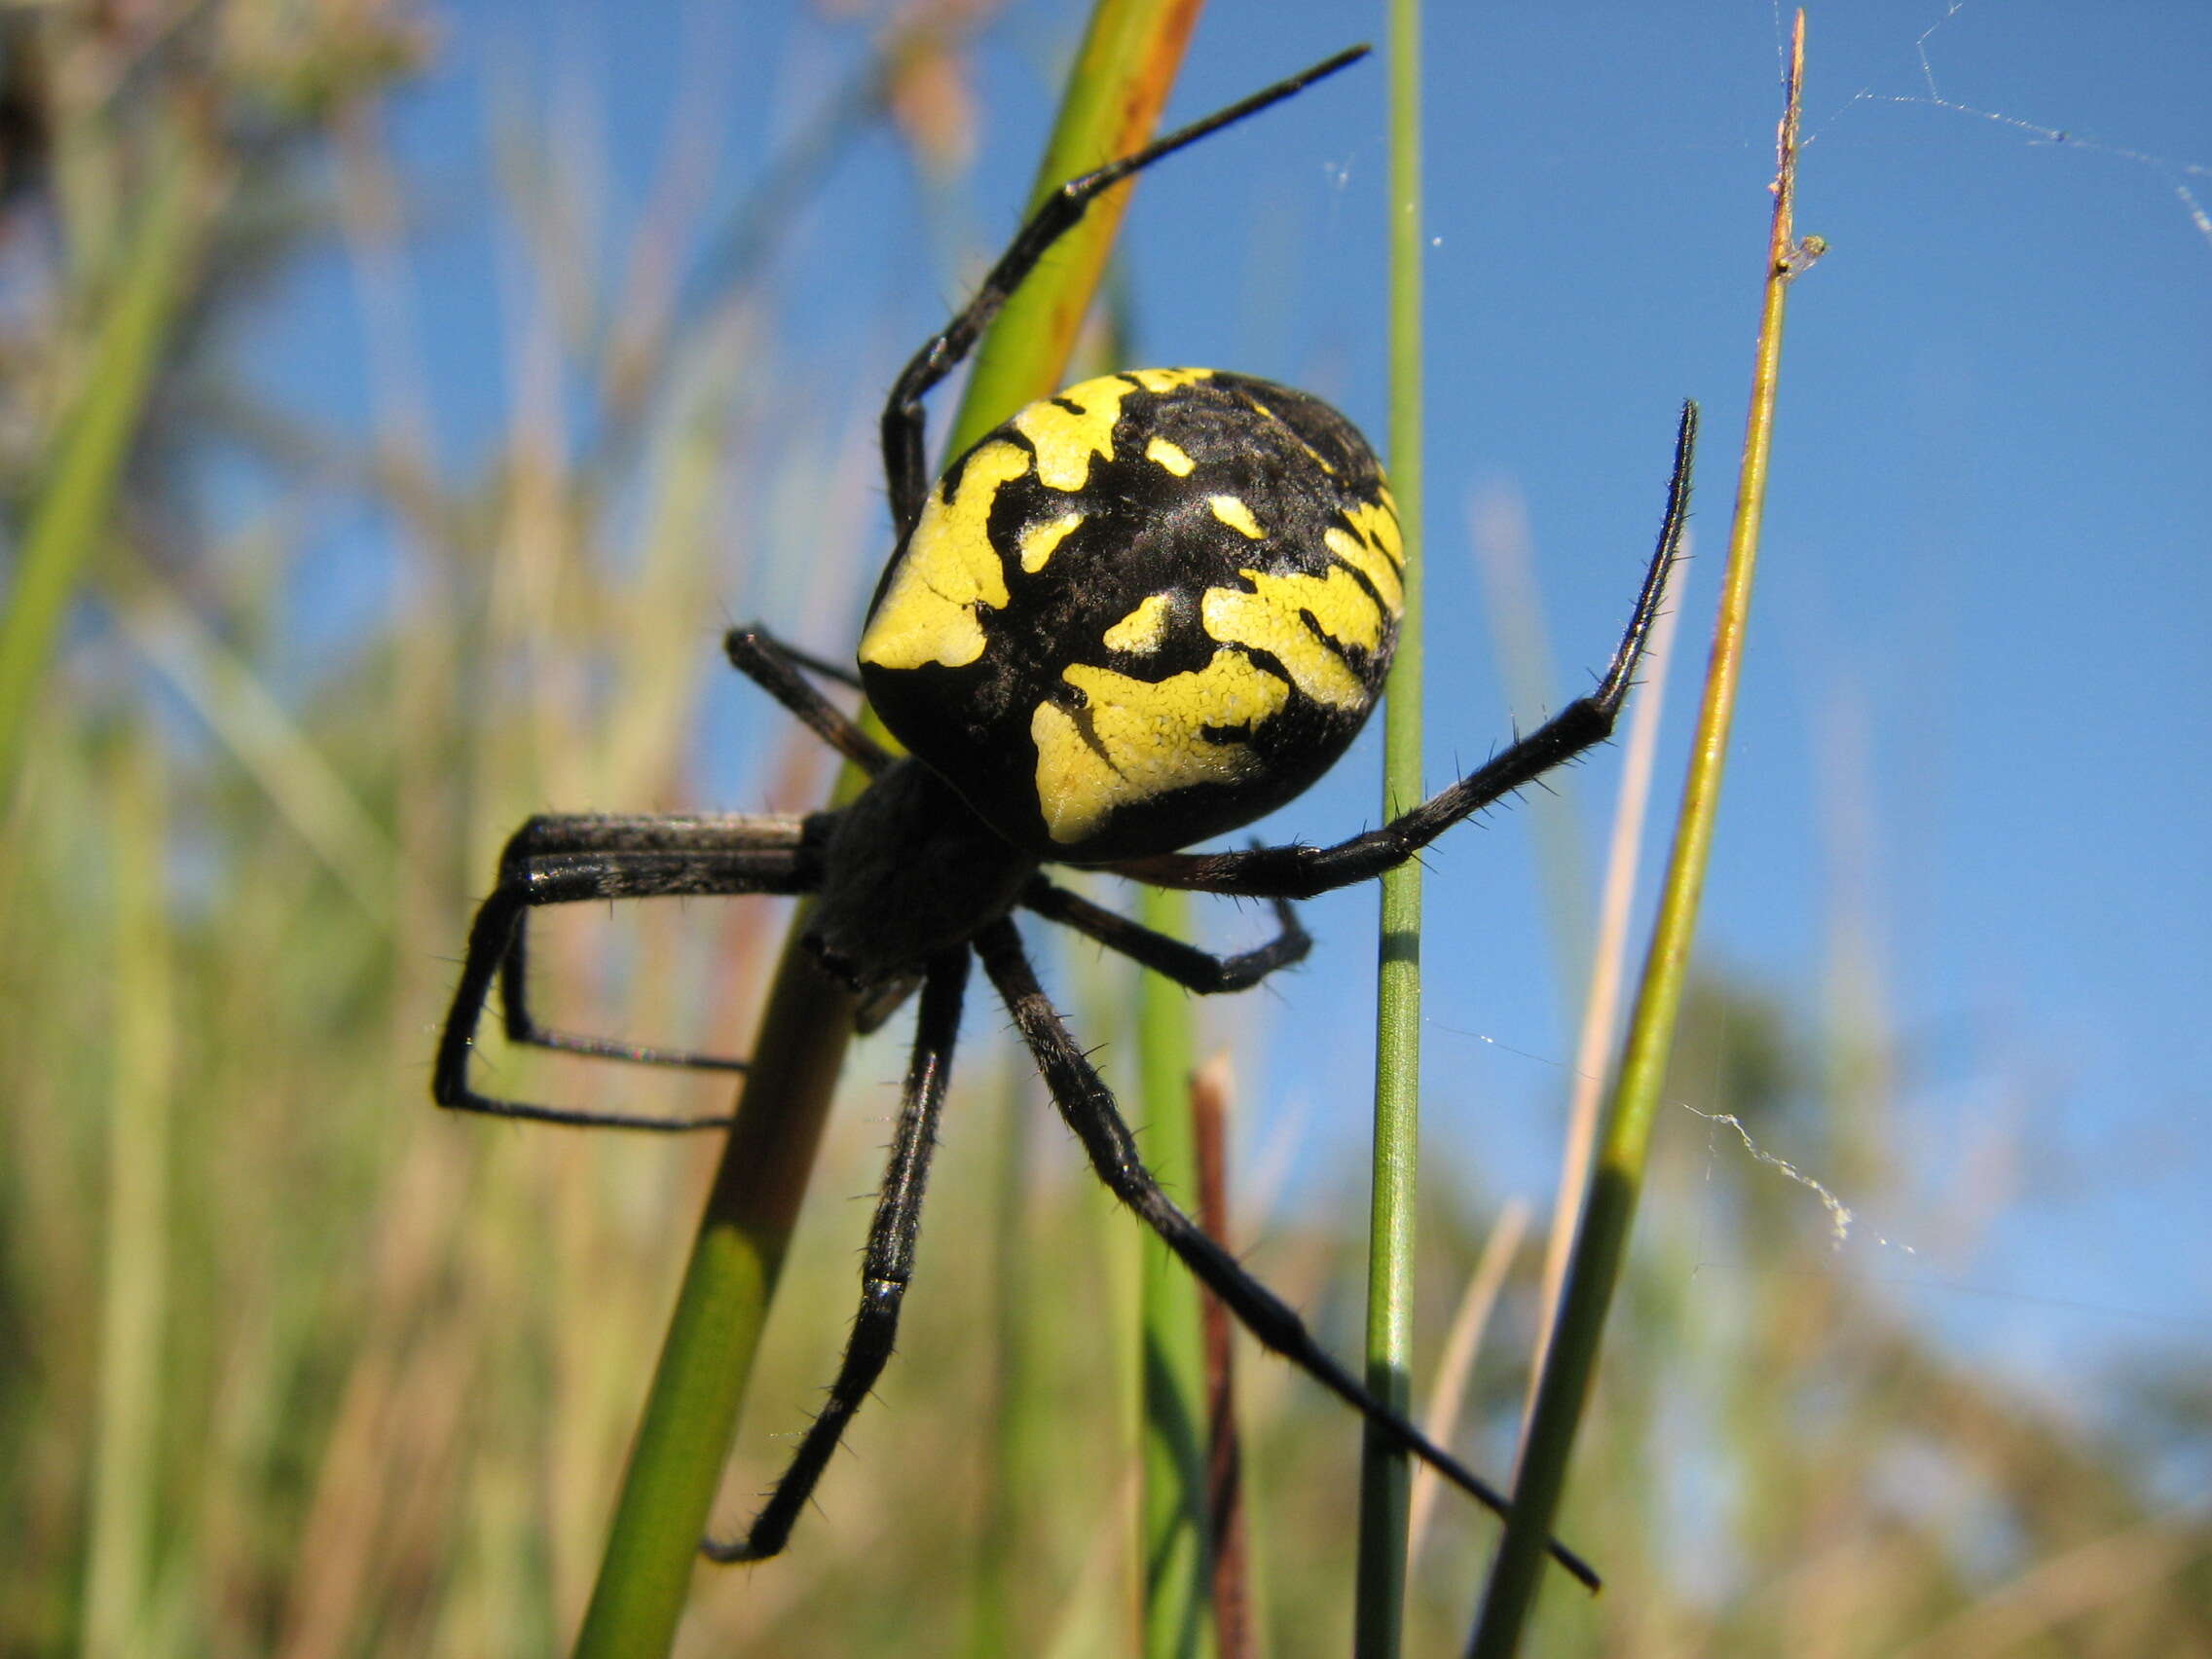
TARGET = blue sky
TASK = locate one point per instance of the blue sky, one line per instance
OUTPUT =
(1978, 673)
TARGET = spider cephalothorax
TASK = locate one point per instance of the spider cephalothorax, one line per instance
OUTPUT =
(910, 872)
(1141, 614)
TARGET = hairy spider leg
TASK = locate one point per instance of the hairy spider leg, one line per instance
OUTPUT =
(615, 838)
(903, 418)
(774, 667)
(887, 1265)
(1298, 871)
(636, 847)
(1088, 1107)
(566, 858)
(888, 1255)
(1192, 969)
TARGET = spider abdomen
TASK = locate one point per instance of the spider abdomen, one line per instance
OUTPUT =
(1142, 612)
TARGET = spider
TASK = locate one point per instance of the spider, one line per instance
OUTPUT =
(1141, 614)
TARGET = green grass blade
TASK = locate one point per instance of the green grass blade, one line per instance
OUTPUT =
(78, 496)
(1385, 1477)
(692, 1412)
(1601, 1243)
(306, 789)
(125, 1519)
(1019, 1464)
(1118, 86)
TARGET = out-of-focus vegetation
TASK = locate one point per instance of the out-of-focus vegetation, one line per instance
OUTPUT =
(290, 1364)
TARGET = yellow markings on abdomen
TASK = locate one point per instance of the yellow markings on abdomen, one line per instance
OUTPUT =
(1143, 628)
(1369, 562)
(1233, 512)
(1069, 428)
(1160, 452)
(1145, 739)
(1162, 380)
(949, 572)
(1040, 541)
(1374, 549)
(1273, 619)
(1376, 524)
(1065, 439)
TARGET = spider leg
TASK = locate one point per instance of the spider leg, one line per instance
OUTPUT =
(1087, 1106)
(1302, 872)
(563, 859)
(774, 667)
(564, 834)
(1054, 217)
(1192, 969)
(886, 1266)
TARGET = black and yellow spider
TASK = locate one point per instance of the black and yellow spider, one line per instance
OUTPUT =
(1141, 614)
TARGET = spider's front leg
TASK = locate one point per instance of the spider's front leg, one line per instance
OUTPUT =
(1301, 872)
(774, 667)
(1088, 1107)
(564, 859)
(903, 419)
(886, 1266)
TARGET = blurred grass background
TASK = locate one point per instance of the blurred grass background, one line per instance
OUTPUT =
(290, 1364)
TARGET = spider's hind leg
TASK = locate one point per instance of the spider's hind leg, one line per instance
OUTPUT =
(1087, 1106)
(886, 1266)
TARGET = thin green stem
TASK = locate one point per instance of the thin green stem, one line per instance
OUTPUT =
(1385, 1476)
(1118, 86)
(1601, 1244)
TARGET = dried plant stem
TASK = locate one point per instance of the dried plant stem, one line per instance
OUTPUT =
(125, 1513)
(1601, 1243)
(1462, 1342)
(1225, 1457)
(1609, 959)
